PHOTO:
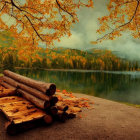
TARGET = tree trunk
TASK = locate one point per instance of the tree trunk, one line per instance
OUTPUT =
(26, 88)
(36, 101)
(48, 88)
(52, 110)
(10, 81)
(6, 85)
(53, 101)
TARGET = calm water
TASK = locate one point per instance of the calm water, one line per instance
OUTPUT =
(118, 86)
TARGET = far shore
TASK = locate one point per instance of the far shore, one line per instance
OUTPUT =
(79, 70)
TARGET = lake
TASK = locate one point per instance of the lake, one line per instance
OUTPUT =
(117, 86)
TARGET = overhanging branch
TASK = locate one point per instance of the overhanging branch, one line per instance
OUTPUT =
(113, 30)
(63, 8)
(14, 5)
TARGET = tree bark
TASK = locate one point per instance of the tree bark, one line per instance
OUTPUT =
(53, 101)
(52, 110)
(26, 88)
(48, 88)
(6, 85)
(36, 101)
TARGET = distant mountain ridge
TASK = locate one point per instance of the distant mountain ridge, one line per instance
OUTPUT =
(92, 51)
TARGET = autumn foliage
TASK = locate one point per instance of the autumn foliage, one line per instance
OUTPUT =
(49, 20)
(60, 58)
(40, 20)
(123, 16)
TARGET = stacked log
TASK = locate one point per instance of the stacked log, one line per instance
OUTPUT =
(48, 88)
(43, 104)
(38, 93)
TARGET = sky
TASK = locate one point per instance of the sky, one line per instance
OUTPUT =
(85, 31)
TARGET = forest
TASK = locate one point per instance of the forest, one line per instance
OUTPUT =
(61, 58)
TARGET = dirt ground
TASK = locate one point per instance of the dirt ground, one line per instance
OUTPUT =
(107, 121)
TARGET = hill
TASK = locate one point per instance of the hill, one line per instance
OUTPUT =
(59, 58)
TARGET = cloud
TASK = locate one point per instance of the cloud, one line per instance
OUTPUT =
(125, 46)
(21, 2)
(85, 31)
(76, 40)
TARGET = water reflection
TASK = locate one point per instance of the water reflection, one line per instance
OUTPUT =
(119, 86)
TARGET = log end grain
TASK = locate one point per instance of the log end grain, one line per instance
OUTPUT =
(46, 104)
(53, 101)
(51, 91)
(53, 110)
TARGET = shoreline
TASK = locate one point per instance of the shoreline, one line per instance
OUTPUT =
(82, 70)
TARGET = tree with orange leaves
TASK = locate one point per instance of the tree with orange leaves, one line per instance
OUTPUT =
(123, 15)
(40, 20)
(49, 20)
